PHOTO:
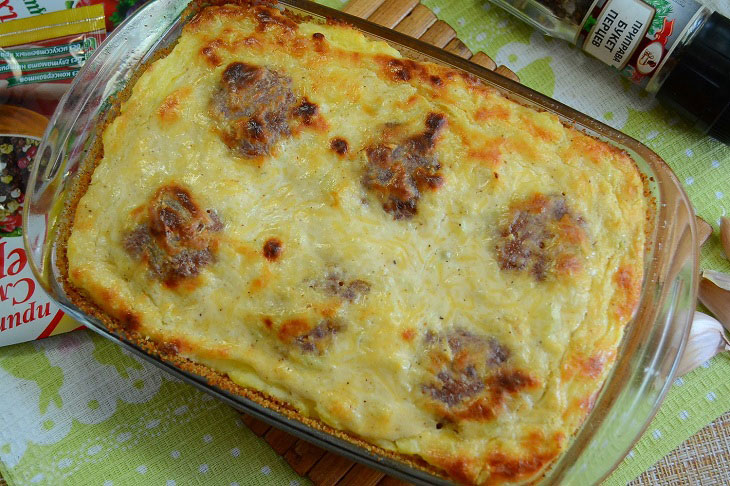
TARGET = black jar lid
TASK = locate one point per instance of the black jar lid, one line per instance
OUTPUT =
(698, 86)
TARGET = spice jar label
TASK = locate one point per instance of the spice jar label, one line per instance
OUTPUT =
(618, 30)
(635, 36)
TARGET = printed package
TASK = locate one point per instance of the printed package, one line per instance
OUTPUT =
(40, 53)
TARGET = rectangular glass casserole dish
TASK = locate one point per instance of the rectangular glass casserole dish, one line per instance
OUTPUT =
(652, 342)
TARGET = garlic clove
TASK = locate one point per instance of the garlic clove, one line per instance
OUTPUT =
(704, 230)
(720, 279)
(717, 299)
(725, 235)
(706, 339)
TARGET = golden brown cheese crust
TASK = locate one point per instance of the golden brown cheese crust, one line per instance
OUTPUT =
(387, 246)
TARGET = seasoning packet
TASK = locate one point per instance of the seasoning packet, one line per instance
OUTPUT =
(20, 9)
(39, 57)
(114, 10)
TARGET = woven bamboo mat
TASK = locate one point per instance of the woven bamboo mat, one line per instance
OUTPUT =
(411, 18)
(702, 459)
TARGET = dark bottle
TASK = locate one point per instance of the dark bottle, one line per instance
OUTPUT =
(677, 50)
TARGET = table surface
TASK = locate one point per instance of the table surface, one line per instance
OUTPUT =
(703, 459)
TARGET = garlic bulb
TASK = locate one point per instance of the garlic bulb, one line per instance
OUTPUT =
(725, 235)
(706, 339)
(704, 230)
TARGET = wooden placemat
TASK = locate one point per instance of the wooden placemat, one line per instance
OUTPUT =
(702, 459)
(414, 19)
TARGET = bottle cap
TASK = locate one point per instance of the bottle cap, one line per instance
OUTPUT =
(699, 85)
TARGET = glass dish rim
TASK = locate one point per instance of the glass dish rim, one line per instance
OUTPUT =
(511, 89)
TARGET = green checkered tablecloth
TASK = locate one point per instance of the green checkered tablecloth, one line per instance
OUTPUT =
(76, 409)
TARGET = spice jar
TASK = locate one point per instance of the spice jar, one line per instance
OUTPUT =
(677, 50)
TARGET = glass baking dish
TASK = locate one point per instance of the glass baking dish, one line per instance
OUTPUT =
(653, 341)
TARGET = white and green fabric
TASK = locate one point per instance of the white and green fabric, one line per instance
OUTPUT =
(76, 409)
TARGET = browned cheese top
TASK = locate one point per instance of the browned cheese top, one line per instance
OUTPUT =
(391, 247)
